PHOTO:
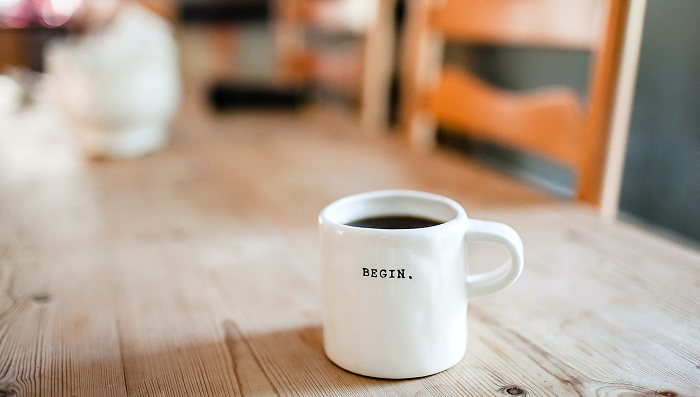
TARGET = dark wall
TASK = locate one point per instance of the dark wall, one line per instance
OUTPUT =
(662, 170)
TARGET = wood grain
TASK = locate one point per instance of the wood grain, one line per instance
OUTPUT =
(194, 271)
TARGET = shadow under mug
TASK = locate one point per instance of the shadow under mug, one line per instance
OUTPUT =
(395, 300)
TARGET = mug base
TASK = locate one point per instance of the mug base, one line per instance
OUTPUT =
(395, 374)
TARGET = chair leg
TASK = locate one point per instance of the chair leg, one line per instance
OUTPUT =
(422, 132)
(378, 69)
(622, 113)
(224, 39)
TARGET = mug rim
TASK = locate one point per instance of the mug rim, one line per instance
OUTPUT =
(461, 215)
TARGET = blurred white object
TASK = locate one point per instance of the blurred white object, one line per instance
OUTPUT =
(359, 15)
(356, 15)
(8, 4)
(120, 87)
(10, 95)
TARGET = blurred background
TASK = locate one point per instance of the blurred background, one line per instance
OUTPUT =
(292, 54)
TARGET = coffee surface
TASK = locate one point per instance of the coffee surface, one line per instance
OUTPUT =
(394, 222)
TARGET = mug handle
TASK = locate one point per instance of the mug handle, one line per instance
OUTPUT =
(490, 282)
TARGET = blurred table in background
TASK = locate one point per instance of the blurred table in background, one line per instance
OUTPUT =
(195, 271)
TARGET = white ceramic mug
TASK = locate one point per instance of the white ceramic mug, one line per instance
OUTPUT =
(395, 300)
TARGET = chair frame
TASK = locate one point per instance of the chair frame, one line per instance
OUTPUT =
(298, 62)
(431, 96)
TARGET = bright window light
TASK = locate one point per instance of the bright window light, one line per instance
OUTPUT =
(64, 8)
(8, 3)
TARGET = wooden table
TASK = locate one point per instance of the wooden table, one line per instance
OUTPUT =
(195, 271)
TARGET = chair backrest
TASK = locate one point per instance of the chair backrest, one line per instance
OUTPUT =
(553, 121)
(366, 72)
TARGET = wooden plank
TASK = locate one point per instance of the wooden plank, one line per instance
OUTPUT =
(52, 261)
(546, 121)
(569, 24)
(194, 271)
(616, 287)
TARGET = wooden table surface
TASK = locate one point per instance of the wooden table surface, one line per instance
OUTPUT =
(195, 271)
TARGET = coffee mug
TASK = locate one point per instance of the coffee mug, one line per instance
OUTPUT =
(395, 283)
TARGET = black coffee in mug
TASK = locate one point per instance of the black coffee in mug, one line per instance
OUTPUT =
(394, 222)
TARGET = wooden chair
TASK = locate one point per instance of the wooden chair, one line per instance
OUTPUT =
(367, 73)
(552, 122)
